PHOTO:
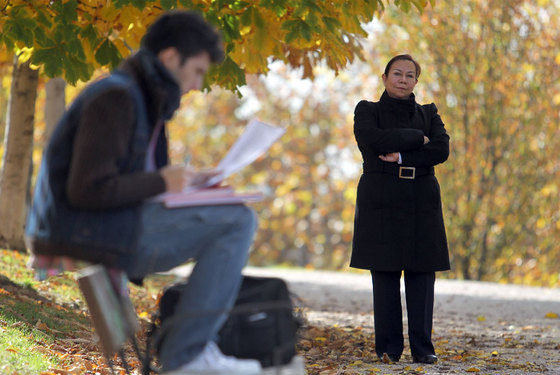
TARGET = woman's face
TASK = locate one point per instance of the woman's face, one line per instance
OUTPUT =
(401, 79)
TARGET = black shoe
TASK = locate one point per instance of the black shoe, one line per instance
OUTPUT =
(428, 359)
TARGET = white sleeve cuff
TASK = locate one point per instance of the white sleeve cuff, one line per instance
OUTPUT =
(400, 158)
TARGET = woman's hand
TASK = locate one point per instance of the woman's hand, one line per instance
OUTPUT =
(393, 157)
(179, 177)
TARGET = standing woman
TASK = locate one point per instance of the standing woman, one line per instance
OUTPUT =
(398, 221)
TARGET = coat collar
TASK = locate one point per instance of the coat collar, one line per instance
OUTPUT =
(160, 89)
(404, 105)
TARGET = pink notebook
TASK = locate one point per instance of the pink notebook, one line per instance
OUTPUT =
(210, 196)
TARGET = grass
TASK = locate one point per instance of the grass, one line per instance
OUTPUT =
(44, 326)
(22, 349)
(40, 322)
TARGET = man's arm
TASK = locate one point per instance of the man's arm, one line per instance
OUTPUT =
(101, 142)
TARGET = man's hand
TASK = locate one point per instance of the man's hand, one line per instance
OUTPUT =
(426, 139)
(393, 157)
(179, 177)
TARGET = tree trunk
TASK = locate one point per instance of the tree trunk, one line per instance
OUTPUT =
(16, 164)
(55, 104)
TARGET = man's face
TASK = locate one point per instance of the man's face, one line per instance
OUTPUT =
(190, 74)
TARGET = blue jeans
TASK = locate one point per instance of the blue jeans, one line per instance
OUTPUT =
(218, 239)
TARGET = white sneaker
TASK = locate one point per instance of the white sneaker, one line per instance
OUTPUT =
(213, 362)
(295, 367)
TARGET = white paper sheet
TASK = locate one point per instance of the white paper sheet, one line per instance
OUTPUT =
(255, 140)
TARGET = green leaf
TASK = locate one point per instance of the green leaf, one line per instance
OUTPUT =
(18, 31)
(259, 21)
(289, 25)
(122, 3)
(66, 11)
(331, 23)
(44, 19)
(311, 6)
(186, 3)
(67, 32)
(168, 4)
(277, 6)
(20, 26)
(8, 41)
(41, 37)
(212, 17)
(90, 34)
(297, 29)
(108, 54)
(228, 75)
(75, 48)
(139, 4)
(292, 35)
(51, 58)
(230, 28)
(239, 5)
(246, 18)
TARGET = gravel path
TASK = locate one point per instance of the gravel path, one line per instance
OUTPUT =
(478, 327)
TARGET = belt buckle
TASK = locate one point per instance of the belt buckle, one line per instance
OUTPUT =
(412, 177)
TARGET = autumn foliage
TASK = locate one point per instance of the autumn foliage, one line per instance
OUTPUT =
(71, 38)
(500, 101)
(491, 68)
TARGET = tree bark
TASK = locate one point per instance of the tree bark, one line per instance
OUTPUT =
(16, 164)
(55, 104)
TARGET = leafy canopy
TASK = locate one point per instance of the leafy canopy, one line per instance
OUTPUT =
(71, 38)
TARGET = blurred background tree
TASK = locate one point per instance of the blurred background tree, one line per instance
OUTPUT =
(492, 69)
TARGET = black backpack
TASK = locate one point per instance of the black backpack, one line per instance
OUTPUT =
(262, 325)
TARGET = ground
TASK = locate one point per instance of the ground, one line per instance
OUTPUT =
(479, 327)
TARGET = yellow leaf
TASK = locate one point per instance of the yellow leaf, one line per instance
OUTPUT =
(473, 369)
(322, 339)
(495, 353)
(481, 318)
(356, 363)
(419, 369)
(551, 315)
(42, 326)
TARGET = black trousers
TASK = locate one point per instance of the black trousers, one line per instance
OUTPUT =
(387, 312)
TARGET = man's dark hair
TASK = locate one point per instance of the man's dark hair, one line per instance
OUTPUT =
(186, 31)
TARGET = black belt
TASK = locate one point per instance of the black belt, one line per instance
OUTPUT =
(401, 171)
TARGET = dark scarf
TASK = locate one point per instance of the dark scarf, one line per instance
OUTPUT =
(162, 92)
(399, 105)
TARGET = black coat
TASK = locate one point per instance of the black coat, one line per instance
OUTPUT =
(398, 221)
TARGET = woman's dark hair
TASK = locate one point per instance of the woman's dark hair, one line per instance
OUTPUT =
(186, 31)
(403, 57)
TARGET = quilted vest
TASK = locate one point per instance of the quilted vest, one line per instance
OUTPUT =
(53, 226)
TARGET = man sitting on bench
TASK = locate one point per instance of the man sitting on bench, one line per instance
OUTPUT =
(108, 156)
